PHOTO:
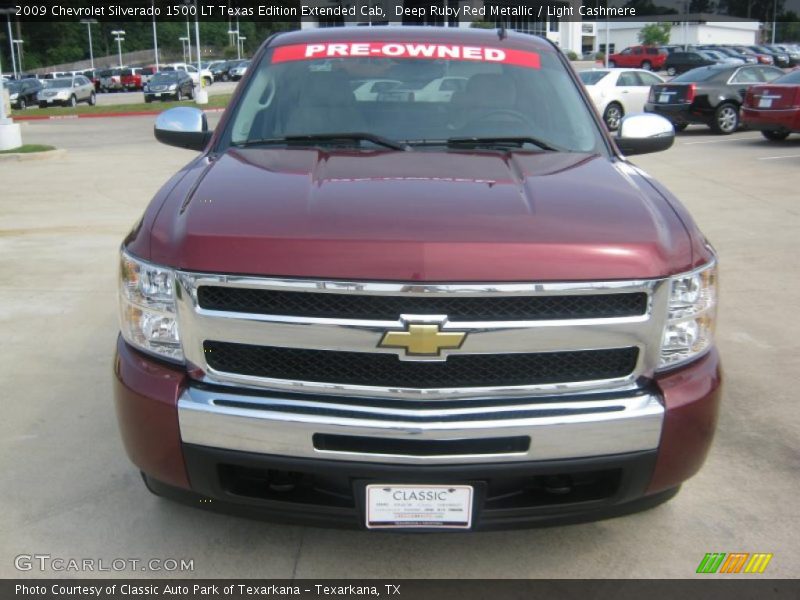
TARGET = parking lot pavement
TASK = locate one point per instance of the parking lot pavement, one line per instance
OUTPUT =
(69, 491)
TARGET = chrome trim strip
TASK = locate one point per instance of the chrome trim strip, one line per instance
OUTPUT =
(267, 425)
(485, 337)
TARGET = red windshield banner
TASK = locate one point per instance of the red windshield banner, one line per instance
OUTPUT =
(506, 56)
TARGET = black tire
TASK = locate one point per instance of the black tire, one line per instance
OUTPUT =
(680, 126)
(92, 99)
(42, 105)
(775, 136)
(148, 99)
(726, 119)
(73, 101)
(179, 96)
(671, 71)
(22, 105)
(612, 116)
(225, 77)
(191, 94)
(612, 64)
(647, 65)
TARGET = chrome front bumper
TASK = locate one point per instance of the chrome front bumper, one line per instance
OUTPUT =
(558, 429)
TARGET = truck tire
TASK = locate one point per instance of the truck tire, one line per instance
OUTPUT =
(73, 101)
(726, 119)
(92, 99)
(22, 105)
(179, 96)
(775, 135)
(647, 65)
(671, 71)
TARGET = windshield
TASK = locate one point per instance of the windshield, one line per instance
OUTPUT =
(455, 92)
(58, 83)
(591, 77)
(171, 77)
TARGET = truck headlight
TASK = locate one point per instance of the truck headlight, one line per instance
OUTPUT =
(147, 308)
(174, 86)
(691, 317)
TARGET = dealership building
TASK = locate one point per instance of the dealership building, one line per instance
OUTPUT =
(574, 34)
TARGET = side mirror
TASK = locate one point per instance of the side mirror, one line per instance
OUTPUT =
(184, 127)
(644, 133)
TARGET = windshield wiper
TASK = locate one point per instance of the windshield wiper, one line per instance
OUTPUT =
(327, 137)
(500, 141)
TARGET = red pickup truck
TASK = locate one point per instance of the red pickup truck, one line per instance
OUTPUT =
(651, 58)
(470, 312)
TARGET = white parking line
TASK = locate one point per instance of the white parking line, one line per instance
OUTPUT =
(779, 157)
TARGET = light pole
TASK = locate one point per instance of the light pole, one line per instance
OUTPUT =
(118, 35)
(11, 45)
(10, 133)
(774, 18)
(189, 37)
(89, 23)
(155, 36)
(184, 40)
(235, 35)
(19, 55)
(241, 41)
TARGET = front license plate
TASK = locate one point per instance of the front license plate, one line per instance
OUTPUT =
(663, 98)
(414, 506)
(765, 103)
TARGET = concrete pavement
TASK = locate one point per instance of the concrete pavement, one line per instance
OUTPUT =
(69, 490)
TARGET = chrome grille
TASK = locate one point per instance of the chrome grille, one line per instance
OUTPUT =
(523, 340)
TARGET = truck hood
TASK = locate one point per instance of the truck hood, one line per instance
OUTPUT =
(419, 216)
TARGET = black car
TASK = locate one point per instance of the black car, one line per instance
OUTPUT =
(779, 59)
(708, 95)
(169, 85)
(680, 62)
(22, 93)
(220, 70)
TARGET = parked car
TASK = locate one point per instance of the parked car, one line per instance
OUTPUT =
(219, 70)
(319, 383)
(761, 58)
(66, 91)
(640, 57)
(708, 95)
(720, 58)
(746, 58)
(111, 80)
(205, 74)
(680, 62)
(779, 58)
(130, 79)
(23, 93)
(370, 89)
(618, 92)
(774, 109)
(146, 73)
(169, 85)
(238, 70)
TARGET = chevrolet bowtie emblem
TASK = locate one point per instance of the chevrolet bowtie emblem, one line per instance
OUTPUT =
(423, 340)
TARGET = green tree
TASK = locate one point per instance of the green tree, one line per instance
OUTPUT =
(655, 34)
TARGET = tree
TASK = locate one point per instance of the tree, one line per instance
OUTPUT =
(655, 34)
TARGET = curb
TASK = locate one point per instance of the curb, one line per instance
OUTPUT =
(102, 115)
(26, 156)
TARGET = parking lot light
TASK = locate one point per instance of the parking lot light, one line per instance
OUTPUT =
(18, 43)
(11, 42)
(119, 36)
(184, 40)
(240, 49)
(89, 23)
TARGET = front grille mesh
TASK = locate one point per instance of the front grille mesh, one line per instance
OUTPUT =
(358, 306)
(387, 370)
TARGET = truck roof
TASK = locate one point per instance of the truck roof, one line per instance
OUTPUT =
(451, 35)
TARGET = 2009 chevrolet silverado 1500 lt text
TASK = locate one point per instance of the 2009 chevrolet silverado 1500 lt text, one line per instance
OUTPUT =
(467, 311)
